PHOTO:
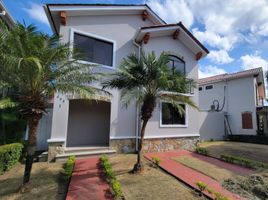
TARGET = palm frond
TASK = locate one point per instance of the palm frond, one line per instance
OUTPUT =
(7, 103)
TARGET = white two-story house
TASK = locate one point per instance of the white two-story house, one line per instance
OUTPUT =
(235, 104)
(108, 33)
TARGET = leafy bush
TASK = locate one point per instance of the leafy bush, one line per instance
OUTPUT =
(116, 186)
(243, 161)
(69, 166)
(156, 160)
(201, 186)
(107, 168)
(201, 150)
(9, 155)
(217, 195)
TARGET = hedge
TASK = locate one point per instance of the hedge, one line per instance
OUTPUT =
(107, 168)
(257, 139)
(69, 166)
(243, 162)
(9, 156)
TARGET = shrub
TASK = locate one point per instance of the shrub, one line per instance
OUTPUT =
(201, 186)
(9, 156)
(217, 195)
(69, 166)
(107, 168)
(116, 186)
(201, 150)
(243, 161)
(156, 160)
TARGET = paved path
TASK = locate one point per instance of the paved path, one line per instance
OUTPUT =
(191, 176)
(87, 182)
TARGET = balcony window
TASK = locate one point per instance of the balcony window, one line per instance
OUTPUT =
(176, 64)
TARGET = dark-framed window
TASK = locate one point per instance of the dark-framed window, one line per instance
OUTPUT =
(200, 88)
(176, 63)
(94, 50)
(170, 115)
(209, 87)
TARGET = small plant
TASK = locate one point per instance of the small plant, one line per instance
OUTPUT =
(116, 186)
(217, 195)
(201, 150)
(107, 168)
(69, 166)
(156, 160)
(201, 186)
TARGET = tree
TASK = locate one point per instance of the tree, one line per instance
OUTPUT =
(145, 80)
(35, 66)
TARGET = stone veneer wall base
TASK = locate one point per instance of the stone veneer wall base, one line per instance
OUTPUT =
(54, 148)
(155, 144)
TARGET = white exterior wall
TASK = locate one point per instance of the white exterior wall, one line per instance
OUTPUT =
(240, 97)
(153, 130)
(121, 30)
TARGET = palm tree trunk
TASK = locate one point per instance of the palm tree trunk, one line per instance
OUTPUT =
(138, 165)
(33, 125)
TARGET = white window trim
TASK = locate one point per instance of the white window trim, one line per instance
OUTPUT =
(171, 125)
(72, 31)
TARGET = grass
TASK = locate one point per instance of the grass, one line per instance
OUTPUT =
(255, 152)
(152, 183)
(206, 168)
(47, 182)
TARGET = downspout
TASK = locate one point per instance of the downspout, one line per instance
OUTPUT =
(137, 104)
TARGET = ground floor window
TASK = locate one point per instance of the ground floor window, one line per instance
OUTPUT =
(171, 117)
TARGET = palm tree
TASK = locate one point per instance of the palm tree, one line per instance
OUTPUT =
(35, 66)
(145, 80)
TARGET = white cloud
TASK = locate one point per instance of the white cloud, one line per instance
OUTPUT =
(210, 71)
(37, 12)
(220, 57)
(225, 23)
(173, 11)
(254, 61)
(215, 40)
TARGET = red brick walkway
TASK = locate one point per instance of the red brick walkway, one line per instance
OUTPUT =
(87, 182)
(191, 176)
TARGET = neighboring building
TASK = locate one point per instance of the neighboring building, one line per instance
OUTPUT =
(5, 16)
(108, 33)
(236, 99)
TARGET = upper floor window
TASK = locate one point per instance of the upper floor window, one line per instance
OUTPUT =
(209, 87)
(176, 64)
(94, 50)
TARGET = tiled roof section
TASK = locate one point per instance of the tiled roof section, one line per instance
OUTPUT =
(236, 75)
(183, 27)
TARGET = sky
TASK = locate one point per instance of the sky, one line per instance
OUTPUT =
(234, 31)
